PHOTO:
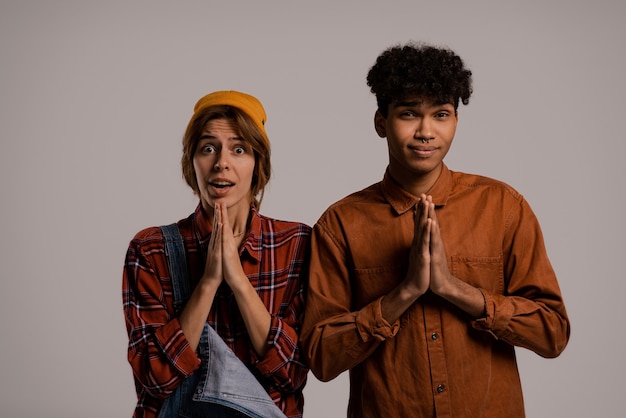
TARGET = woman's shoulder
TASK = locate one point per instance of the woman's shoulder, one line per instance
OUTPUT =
(147, 235)
(155, 233)
(282, 226)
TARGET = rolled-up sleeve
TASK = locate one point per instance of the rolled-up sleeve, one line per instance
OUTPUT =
(158, 352)
(531, 312)
(283, 363)
(334, 337)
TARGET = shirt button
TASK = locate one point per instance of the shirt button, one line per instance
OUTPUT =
(434, 336)
(440, 388)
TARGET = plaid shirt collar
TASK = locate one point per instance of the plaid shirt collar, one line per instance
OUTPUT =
(252, 243)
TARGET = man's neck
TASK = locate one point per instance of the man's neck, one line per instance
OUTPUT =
(417, 184)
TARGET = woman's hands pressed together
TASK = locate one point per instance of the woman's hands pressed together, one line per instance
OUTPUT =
(223, 265)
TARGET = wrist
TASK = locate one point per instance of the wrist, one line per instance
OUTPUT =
(209, 284)
(409, 292)
(446, 288)
(241, 286)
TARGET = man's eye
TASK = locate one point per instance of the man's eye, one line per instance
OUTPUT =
(240, 150)
(207, 149)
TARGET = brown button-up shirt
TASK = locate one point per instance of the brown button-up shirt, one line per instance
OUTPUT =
(435, 361)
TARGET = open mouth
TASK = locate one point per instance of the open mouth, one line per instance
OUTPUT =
(221, 184)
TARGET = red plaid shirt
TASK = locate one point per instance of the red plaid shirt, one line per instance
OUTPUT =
(273, 255)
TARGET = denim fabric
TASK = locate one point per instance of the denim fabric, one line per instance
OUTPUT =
(223, 386)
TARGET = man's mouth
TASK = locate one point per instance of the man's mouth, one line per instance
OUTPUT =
(422, 148)
(423, 151)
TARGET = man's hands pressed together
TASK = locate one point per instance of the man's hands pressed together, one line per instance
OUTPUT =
(428, 270)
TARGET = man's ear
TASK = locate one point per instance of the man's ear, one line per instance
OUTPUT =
(379, 124)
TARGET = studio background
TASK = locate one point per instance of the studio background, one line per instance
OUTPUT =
(95, 96)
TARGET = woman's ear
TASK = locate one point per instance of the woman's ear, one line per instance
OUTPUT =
(379, 124)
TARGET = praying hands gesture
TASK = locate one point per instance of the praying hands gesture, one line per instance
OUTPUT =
(428, 270)
(223, 264)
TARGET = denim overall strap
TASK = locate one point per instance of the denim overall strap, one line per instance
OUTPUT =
(177, 265)
(223, 387)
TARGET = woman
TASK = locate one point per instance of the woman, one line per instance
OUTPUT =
(246, 278)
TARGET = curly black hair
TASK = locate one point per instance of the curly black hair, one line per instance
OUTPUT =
(419, 70)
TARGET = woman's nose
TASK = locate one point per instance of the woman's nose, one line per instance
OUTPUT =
(221, 163)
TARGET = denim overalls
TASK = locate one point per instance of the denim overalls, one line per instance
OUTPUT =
(222, 386)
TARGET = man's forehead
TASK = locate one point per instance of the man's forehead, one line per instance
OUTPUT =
(419, 101)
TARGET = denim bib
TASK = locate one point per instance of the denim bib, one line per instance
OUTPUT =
(222, 386)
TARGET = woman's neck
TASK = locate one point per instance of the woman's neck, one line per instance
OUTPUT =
(238, 218)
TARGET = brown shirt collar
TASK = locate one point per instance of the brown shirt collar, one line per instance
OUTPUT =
(402, 201)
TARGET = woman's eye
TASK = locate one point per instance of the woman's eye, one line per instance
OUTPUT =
(240, 150)
(207, 149)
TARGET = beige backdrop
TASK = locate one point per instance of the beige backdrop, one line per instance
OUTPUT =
(94, 97)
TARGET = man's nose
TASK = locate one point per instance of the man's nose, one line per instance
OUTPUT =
(424, 132)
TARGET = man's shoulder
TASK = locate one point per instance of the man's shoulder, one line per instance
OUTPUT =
(469, 181)
(358, 204)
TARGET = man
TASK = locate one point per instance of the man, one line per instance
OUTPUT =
(422, 284)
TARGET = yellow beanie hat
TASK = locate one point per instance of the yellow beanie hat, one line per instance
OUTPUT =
(250, 105)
